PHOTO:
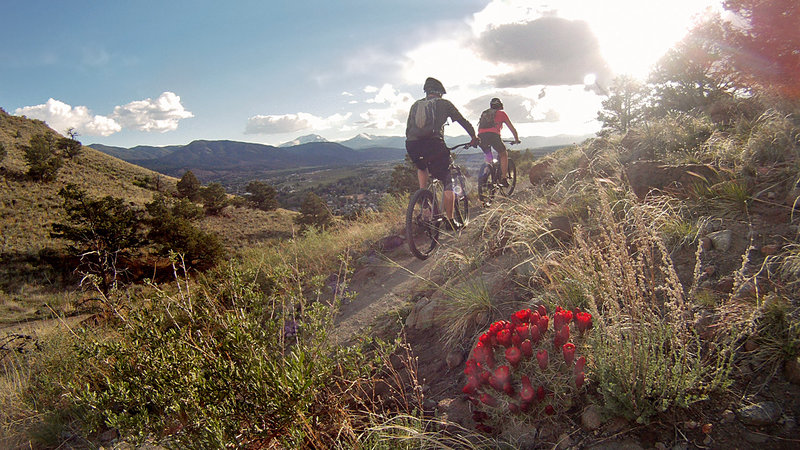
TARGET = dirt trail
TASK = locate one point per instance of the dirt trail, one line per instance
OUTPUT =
(385, 282)
(382, 285)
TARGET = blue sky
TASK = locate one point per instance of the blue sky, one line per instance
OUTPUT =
(132, 73)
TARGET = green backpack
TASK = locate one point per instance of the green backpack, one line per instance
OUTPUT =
(487, 119)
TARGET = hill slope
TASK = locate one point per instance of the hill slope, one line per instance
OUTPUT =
(27, 207)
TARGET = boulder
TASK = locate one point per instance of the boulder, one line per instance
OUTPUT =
(644, 176)
(759, 414)
(540, 173)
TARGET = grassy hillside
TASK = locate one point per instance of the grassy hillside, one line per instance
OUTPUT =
(28, 208)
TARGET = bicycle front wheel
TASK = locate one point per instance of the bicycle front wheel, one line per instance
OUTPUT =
(485, 184)
(512, 179)
(422, 224)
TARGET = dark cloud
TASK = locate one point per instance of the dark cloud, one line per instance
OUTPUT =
(546, 51)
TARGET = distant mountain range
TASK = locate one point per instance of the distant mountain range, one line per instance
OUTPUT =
(208, 159)
(212, 159)
(363, 141)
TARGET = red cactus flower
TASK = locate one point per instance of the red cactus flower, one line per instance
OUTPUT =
(543, 358)
(473, 383)
(561, 337)
(542, 324)
(542, 310)
(514, 355)
(486, 339)
(527, 348)
(508, 388)
(561, 318)
(503, 373)
(471, 367)
(549, 410)
(583, 321)
(513, 408)
(527, 394)
(569, 352)
(523, 331)
(540, 393)
(521, 316)
(504, 338)
(580, 364)
(535, 334)
(497, 326)
(516, 340)
(485, 377)
(483, 354)
(558, 309)
(579, 379)
(488, 400)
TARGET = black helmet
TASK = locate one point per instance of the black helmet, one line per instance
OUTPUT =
(495, 103)
(432, 85)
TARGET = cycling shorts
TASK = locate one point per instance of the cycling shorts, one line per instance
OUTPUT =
(492, 140)
(433, 155)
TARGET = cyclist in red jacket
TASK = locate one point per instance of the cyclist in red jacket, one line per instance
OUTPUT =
(489, 127)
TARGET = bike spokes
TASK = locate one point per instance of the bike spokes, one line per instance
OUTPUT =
(422, 224)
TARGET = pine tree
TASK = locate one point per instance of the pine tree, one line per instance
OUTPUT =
(314, 212)
(214, 198)
(103, 233)
(189, 186)
(263, 196)
(42, 159)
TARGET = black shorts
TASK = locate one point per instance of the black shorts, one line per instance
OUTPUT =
(492, 140)
(433, 155)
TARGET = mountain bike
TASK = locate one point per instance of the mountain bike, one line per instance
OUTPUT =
(425, 217)
(489, 179)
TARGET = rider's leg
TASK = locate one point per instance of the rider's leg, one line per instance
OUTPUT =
(503, 154)
(422, 176)
(486, 148)
(449, 204)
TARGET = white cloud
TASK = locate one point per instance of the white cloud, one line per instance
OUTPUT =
(61, 116)
(161, 114)
(390, 116)
(287, 123)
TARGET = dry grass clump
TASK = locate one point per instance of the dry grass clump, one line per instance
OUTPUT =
(645, 356)
(677, 137)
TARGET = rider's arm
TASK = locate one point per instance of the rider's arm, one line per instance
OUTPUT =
(457, 117)
(507, 121)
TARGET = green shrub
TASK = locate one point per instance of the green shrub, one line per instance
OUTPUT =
(69, 147)
(103, 233)
(172, 231)
(227, 365)
(214, 198)
(189, 186)
(42, 158)
(262, 196)
(314, 212)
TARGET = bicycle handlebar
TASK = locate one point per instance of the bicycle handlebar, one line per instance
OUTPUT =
(511, 142)
(457, 146)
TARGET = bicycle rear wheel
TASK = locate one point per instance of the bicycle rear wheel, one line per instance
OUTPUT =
(422, 223)
(461, 212)
(512, 179)
(485, 184)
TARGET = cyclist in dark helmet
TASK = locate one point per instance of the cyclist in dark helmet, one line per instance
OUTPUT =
(489, 127)
(425, 140)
